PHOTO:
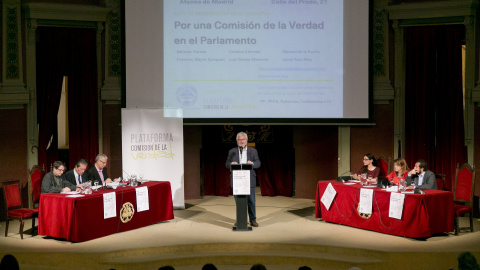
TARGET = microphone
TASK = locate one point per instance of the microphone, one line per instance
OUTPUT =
(342, 178)
(126, 174)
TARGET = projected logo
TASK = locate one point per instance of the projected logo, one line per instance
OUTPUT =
(186, 95)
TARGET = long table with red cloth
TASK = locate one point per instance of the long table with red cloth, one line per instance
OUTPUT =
(423, 214)
(81, 219)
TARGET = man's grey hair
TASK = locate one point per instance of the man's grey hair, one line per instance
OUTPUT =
(81, 162)
(99, 156)
(241, 133)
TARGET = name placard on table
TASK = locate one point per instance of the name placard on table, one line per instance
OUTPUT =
(109, 205)
(366, 199)
(142, 199)
(328, 196)
(396, 205)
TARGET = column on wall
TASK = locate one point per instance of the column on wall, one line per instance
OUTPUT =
(12, 88)
(399, 101)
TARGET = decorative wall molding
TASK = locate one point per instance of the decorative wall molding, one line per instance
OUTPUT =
(438, 9)
(65, 12)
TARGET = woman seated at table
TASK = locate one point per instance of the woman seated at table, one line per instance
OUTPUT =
(400, 171)
(370, 168)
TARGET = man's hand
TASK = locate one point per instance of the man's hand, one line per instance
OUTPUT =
(234, 162)
(108, 180)
(66, 189)
(412, 172)
(249, 162)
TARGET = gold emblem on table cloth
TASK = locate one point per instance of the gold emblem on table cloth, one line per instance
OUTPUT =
(127, 212)
(363, 215)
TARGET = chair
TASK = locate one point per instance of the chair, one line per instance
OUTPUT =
(440, 178)
(463, 195)
(35, 177)
(384, 164)
(13, 205)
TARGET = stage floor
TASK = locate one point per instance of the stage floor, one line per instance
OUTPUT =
(288, 237)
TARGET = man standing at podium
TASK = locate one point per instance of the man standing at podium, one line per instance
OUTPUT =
(244, 155)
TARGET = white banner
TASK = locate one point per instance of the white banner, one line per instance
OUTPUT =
(152, 145)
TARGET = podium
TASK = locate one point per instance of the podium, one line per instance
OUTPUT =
(241, 189)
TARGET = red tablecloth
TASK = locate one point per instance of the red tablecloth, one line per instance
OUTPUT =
(81, 219)
(423, 214)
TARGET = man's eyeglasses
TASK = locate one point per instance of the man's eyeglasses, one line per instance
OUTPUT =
(104, 162)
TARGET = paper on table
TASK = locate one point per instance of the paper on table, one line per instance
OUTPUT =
(75, 196)
(366, 198)
(70, 192)
(328, 196)
(142, 199)
(392, 188)
(109, 205)
(241, 182)
(396, 205)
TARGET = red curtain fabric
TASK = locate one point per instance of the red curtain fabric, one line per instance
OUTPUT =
(83, 96)
(51, 55)
(67, 52)
(434, 100)
(276, 173)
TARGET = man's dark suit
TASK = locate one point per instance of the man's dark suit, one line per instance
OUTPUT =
(252, 155)
(70, 176)
(428, 182)
(93, 174)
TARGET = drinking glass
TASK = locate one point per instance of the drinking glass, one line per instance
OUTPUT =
(141, 176)
(401, 184)
(370, 179)
(363, 178)
(96, 184)
(88, 187)
(351, 175)
(133, 180)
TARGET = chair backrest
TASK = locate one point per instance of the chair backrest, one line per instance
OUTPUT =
(440, 178)
(11, 194)
(463, 190)
(384, 165)
(35, 177)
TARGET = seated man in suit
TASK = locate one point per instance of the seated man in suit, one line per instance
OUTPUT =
(77, 175)
(420, 177)
(99, 171)
(55, 182)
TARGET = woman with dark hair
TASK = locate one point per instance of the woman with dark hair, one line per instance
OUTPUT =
(369, 168)
(400, 171)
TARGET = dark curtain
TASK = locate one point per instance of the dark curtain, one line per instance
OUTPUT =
(67, 52)
(434, 100)
(275, 176)
(83, 96)
(276, 173)
(51, 62)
